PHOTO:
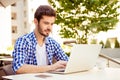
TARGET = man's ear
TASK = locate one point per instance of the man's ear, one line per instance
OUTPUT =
(35, 21)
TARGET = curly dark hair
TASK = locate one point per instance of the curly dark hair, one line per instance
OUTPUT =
(44, 10)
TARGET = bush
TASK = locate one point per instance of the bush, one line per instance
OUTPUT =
(107, 45)
(102, 43)
(116, 44)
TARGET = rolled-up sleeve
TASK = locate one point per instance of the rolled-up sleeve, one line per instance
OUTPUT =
(59, 53)
(56, 49)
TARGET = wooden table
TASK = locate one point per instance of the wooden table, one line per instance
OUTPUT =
(94, 74)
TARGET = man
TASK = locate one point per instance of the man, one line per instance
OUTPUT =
(34, 52)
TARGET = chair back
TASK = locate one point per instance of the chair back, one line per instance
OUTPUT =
(8, 69)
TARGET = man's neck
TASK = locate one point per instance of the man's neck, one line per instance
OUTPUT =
(40, 38)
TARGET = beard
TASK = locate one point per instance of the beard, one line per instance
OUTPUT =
(41, 32)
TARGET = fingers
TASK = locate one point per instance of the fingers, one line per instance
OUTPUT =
(59, 65)
(63, 63)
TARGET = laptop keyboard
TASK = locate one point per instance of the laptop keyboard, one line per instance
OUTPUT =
(60, 70)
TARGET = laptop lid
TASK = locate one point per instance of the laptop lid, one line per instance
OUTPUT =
(83, 57)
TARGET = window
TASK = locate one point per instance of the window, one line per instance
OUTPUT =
(14, 29)
(25, 25)
(25, 14)
(24, 2)
(13, 16)
(13, 4)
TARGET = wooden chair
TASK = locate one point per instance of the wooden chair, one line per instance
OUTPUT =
(6, 70)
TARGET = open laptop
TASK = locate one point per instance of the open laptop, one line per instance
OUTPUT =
(83, 57)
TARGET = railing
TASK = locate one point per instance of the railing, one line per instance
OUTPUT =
(101, 55)
(109, 59)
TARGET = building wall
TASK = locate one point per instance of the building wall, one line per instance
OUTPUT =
(5, 28)
(20, 23)
(23, 11)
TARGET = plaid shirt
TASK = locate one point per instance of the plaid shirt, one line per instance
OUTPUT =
(25, 50)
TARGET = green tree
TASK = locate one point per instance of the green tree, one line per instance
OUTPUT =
(107, 45)
(86, 16)
(116, 43)
(93, 41)
(102, 43)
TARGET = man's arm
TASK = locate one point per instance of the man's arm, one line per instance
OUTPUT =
(60, 54)
(26, 68)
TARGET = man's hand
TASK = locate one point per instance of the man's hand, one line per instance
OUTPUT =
(35, 68)
(58, 65)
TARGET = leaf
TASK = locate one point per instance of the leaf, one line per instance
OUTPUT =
(86, 16)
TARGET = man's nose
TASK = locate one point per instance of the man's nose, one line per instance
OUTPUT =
(50, 26)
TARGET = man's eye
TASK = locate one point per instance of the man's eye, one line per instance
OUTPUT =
(52, 24)
(46, 22)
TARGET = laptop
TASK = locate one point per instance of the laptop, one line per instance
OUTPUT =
(83, 57)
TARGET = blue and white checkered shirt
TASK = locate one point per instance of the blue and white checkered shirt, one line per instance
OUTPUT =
(25, 50)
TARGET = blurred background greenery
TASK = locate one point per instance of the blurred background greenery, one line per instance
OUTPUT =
(81, 18)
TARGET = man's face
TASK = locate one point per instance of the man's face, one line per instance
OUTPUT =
(45, 25)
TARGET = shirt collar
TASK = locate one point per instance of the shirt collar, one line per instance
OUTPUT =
(34, 38)
(47, 40)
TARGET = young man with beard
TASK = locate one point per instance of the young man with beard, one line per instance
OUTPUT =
(34, 52)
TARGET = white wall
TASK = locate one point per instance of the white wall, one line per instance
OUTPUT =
(5, 28)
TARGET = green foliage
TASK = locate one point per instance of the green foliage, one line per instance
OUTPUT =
(116, 43)
(107, 45)
(93, 41)
(87, 16)
(66, 48)
(68, 53)
(4, 54)
(102, 43)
